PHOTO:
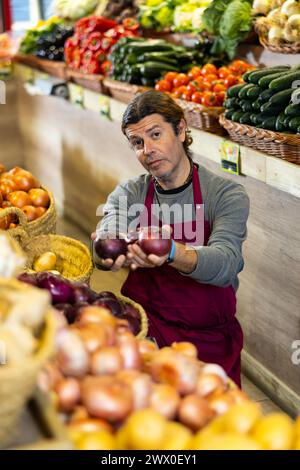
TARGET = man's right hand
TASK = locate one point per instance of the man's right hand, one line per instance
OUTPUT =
(119, 263)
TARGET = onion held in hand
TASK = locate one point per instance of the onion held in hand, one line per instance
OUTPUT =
(152, 242)
(110, 248)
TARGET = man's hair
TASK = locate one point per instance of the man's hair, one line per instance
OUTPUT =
(156, 102)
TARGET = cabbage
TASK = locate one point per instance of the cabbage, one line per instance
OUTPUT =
(74, 9)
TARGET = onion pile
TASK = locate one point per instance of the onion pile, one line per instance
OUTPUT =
(70, 297)
(19, 188)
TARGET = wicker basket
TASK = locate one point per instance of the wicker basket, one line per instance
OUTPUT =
(74, 259)
(122, 91)
(53, 67)
(18, 383)
(201, 117)
(27, 59)
(43, 225)
(281, 48)
(285, 146)
(91, 82)
(144, 319)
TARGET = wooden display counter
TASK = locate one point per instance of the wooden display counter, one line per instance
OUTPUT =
(82, 156)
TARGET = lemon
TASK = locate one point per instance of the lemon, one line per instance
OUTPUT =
(177, 437)
(242, 417)
(99, 440)
(274, 432)
(229, 441)
(146, 430)
(214, 428)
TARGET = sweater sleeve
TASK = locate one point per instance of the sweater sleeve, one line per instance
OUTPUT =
(221, 260)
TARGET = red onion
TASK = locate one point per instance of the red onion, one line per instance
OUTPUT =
(28, 278)
(151, 242)
(61, 290)
(110, 248)
(112, 304)
(68, 310)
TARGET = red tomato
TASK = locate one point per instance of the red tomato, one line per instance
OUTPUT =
(163, 85)
(170, 76)
(223, 72)
(209, 68)
(209, 99)
(196, 97)
(191, 88)
(239, 66)
(219, 87)
(179, 92)
(220, 98)
(211, 77)
(208, 86)
(181, 80)
(230, 80)
(194, 73)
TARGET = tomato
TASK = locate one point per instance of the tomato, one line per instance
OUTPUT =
(7, 186)
(208, 86)
(163, 85)
(191, 88)
(239, 67)
(170, 76)
(179, 92)
(209, 99)
(19, 199)
(211, 77)
(30, 213)
(230, 80)
(219, 87)
(181, 80)
(197, 97)
(220, 98)
(223, 72)
(209, 68)
(194, 72)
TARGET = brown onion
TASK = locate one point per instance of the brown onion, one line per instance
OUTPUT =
(25, 181)
(140, 385)
(147, 348)
(106, 361)
(207, 384)
(40, 211)
(94, 336)
(221, 404)
(39, 197)
(194, 412)
(186, 348)
(49, 376)
(128, 346)
(165, 399)
(94, 314)
(72, 356)
(80, 413)
(85, 425)
(68, 391)
(30, 213)
(107, 398)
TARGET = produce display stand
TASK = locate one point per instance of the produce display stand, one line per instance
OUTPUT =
(47, 424)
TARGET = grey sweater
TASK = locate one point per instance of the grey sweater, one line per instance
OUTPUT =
(226, 207)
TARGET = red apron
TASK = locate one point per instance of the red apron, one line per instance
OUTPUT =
(182, 309)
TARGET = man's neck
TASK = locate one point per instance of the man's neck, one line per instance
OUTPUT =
(178, 177)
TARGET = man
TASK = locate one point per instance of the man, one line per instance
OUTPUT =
(188, 294)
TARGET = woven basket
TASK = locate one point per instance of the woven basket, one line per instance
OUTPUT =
(91, 82)
(18, 383)
(285, 146)
(74, 259)
(53, 67)
(144, 319)
(281, 48)
(201, 117)
(27, 59)
(122, 91)
(26, 230)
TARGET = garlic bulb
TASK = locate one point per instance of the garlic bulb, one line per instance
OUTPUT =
(292, 29)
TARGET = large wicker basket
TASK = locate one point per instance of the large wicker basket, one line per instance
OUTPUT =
(202, 117)
(91, 82)
(18, 383)
(285, 146)
(26, 230)
(121, 91)
(281, 48)
(74, 259)
(27, 59)
(144, 319)
(53, 67)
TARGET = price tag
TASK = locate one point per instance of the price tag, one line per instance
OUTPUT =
(230, 157)
(40, 75)
(104, 106)
(76, 95)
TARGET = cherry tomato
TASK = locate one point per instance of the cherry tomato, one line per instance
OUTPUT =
(170, 76)
(181, 80)
(163, 85)
(230, 80)
(194, 73)
(223, 72)
(197, 97)
(209, 68)
(219, 87)
(209, 99)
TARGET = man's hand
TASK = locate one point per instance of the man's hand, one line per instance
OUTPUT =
(110, 264)
(139, 259)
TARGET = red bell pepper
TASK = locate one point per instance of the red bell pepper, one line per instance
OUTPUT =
(77, 57)
(100, 56)
(92, 67)
(107, 43)
(106, 67)
(94, 41)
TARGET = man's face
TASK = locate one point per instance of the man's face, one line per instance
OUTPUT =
(156, 145)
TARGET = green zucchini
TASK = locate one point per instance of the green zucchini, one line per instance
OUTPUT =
(269, 123)
(256, 75)
(253, 93)
(264, 82)
(245, 118)
(294, 123)
(237, 115)
(284, 82)
(229, 112)
(265, 96)
(233, 91)
(232, 103)
(246, 106)
(292, 110)
(243, 91)
(155, 69)
(282, 98)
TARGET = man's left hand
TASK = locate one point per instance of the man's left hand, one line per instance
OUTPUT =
(139, 259)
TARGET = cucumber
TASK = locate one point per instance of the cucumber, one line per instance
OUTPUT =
(282, 98)
(232, 103)
(298, 130)
(229, 112)
(287, 121)
(269, 123)
(256, 105)
(260, 118)
(284, 82)
(279, 126)
(243, 91)
(245, 118)
(265, 96)
(292, 110)
(295, 98)
(256, 75)
(267, 108)
(246, 106)
(236, 116)
(233, 91)
(294, 123)
(253, 117)
(264, 82)
(253, 93)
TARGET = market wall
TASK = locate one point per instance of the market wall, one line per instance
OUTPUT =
(10, 137)
(81, 157)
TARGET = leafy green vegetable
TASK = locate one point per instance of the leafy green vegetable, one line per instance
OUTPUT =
(236, 19)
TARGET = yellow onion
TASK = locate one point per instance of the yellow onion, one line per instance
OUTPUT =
(140, 385)
(94, 336)
(194, 412)
(68, 391)
(147, 348)
(128, 346)
(165, 400)
(72, 357)
(207, 384)
(186, 348)
(106, 361)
